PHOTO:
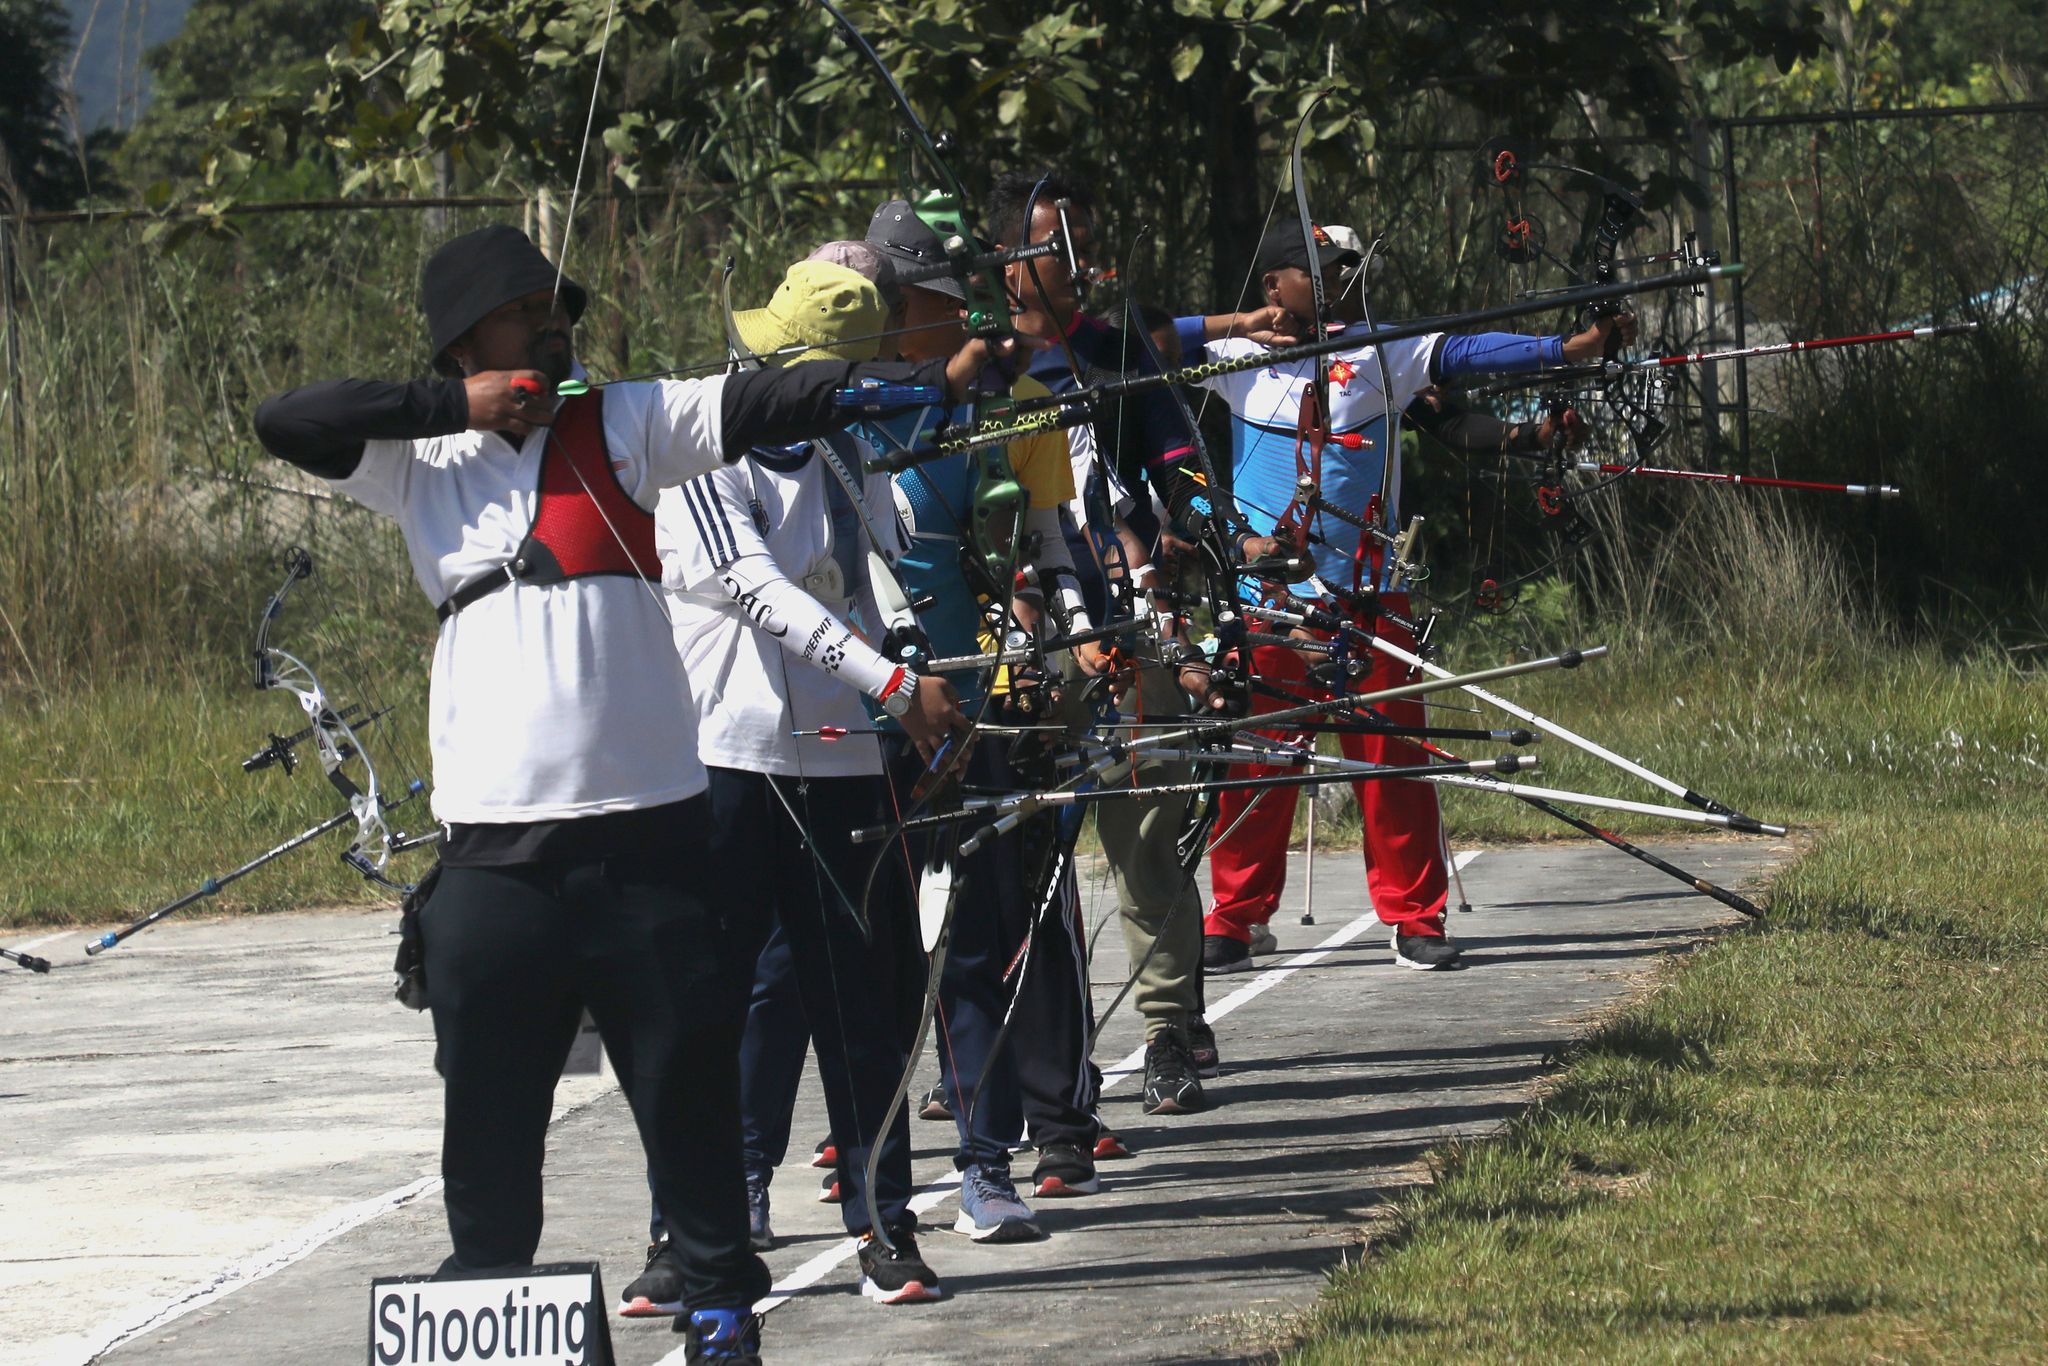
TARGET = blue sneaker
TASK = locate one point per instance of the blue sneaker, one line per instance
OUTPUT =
(990, 1209)
(731, 1337)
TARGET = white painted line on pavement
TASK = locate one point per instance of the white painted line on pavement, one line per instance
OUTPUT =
(268, 1262)
(32, 945)
(283, 1253)
(814, 1270)
(1134, 1062)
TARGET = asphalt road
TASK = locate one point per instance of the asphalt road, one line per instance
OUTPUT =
(213, 1138)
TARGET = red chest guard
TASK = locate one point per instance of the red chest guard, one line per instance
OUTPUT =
(583, 522)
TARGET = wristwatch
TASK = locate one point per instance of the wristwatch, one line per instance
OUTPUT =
(896, 702)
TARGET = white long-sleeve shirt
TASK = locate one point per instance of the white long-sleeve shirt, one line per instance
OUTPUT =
(548, 701)
(762, 611)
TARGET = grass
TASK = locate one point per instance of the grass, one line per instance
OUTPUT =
(1821, 1139)
(125, 796)
(1800, 741)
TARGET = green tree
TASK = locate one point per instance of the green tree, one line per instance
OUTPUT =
(1184, 131)
(42, 164)
(227, 50)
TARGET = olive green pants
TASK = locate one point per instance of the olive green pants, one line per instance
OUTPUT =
(1158, 900)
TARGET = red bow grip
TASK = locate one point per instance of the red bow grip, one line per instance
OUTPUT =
(523, 385)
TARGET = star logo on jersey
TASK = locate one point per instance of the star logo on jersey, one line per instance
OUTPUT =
(1342, 373)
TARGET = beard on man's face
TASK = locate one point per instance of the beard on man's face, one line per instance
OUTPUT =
(552, 353)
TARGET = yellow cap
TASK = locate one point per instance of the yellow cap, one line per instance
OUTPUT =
(816, 305)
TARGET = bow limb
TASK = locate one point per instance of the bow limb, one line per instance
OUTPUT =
(334, 738)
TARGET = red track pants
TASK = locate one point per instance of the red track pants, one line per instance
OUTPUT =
(1404, 864)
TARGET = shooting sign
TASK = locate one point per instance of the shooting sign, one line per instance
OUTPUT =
(549, 1315)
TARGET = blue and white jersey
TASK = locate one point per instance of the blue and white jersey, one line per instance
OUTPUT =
(1265, 405)
(934, 502)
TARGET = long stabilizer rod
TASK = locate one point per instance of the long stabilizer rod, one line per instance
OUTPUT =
(212, 886)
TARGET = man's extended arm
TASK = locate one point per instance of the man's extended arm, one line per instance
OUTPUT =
(322, 428)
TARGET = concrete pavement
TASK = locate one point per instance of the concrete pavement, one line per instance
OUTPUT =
(217, 1135)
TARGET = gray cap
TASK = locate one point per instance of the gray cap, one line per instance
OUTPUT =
(906, 238)
(867, 260)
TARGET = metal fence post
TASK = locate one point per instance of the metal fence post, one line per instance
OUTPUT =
(1712, 299)
(1732, 195)
(16, 390)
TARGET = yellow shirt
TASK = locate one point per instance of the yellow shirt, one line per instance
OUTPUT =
(1040, 459)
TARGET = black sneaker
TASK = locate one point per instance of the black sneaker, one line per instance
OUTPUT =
(934, 1105)
(1427, 952)
(1202, 1050)
(1064, 1169)
(1171, 1086)
(760, 1236)
(898, 1277)
(1221, 954)
(729, 1337)
(658, 1289)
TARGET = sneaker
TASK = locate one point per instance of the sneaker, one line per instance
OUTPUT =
(1425, 951)
(827, 1154)
(934, 1105)
(731, 1337)
(898, 1277)
(990, 1209)
(831, 1193)
(1064, 1169)
(1221, 954)
(1202, 1050)
(1109, 1146)
(1171, 1086)
(658, 1289)
(1263, 942)
(760, 1236)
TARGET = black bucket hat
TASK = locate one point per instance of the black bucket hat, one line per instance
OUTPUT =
(479, 271)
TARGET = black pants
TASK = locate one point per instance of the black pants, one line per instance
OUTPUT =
(821, 979)
(1055, 1016)
(1038, 1078)
(514, 955)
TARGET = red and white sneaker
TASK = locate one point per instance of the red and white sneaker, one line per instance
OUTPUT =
(897, 1276)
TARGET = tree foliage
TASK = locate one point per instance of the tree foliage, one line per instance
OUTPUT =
(226, 50)
(1183, 131)
(41, 161)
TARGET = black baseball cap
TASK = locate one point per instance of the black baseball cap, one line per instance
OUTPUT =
(1283, 246)
(908, 239)
(477, 272)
